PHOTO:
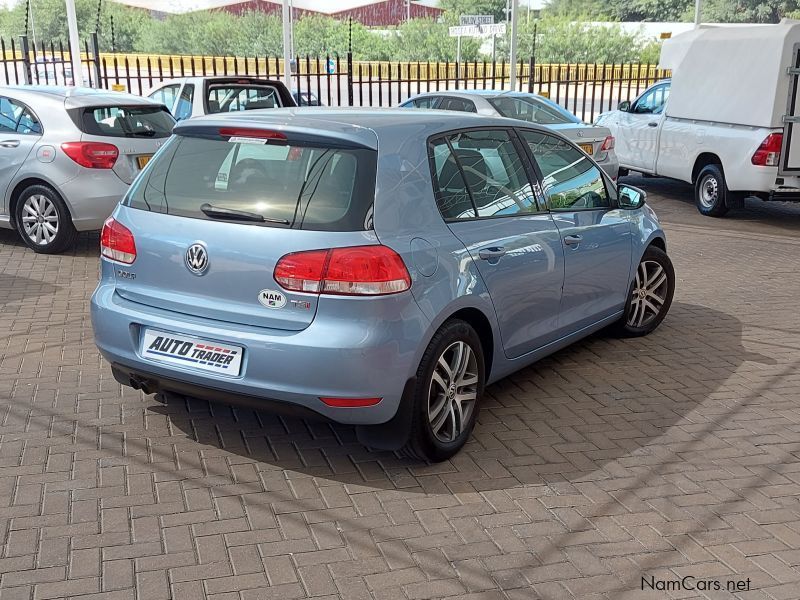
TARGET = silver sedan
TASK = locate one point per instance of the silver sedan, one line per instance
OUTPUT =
(596, 141)
(68, 155)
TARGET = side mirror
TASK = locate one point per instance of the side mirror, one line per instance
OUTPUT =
(630, 197)
(624, 106)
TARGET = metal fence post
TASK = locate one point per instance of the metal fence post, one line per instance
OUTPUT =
(350, 64)
(26, 60)
(96, 58)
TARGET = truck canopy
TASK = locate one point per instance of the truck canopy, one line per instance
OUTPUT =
(731, 74)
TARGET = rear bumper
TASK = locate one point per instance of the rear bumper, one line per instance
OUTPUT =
(370, 355)
(92, 196)
(610, 164)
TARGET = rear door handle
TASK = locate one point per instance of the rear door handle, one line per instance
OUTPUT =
(9, 143)
(573, 240)
(492, 253)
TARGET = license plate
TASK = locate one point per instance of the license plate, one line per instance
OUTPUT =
(143, 160)
(188, 351)
(588, 148)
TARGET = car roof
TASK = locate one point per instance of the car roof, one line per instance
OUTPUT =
(73, 97)
(358, 125)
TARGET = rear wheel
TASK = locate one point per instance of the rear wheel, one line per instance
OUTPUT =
(650, 295)
(450, 382)
(711, 192)
(43, 220)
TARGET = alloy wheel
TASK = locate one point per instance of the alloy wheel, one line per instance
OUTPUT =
(453, 391)
(649, 293)
(709, 191)
(40, 219)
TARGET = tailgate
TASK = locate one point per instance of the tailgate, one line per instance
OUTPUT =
(790, 149)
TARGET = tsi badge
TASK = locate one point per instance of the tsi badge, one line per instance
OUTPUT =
(272, 298)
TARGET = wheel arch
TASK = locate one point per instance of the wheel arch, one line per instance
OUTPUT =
(703, 160)
(476, 319)
(20, 186)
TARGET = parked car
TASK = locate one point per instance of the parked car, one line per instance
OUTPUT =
(194, 96)
(49, 71)
(721, 123)
(305, 99)
(596, 141)
(68, 155)
(377, 268)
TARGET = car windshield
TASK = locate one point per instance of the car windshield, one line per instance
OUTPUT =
(274, 184)
(235, 97)
(128, 121)
(533, 110)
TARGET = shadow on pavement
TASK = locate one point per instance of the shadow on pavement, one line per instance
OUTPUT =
(572, 417)
(674, 202)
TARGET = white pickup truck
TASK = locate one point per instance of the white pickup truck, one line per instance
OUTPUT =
(726, 120)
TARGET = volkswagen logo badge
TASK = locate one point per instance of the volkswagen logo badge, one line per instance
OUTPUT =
(197, 259)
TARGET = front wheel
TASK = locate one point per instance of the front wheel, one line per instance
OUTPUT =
(650, 295)
(450, 382)
(43, 220)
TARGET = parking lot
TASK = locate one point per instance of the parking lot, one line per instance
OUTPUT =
(608, 463)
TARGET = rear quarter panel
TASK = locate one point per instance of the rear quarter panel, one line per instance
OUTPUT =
(682, 141)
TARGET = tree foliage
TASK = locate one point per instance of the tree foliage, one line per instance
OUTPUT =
(718, 11)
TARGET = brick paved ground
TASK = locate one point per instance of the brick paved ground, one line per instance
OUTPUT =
(674, 455)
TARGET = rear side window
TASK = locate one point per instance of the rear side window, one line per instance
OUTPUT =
(314, 188)
(183, 110)
(15, 117)
(235, 97)
(533, 110)
(457, 104)
(491, 170)
(127, 121)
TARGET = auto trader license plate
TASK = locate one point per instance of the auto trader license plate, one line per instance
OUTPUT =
(588, 148)
(187, 351)
(143, 160)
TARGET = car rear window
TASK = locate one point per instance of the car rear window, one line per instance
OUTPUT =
(533, 110)
(127, 121)
(233, 97)
(298, 186)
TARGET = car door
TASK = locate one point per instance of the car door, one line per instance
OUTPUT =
(596, 235)
(484, 192)
(20, 129)
(638, 147)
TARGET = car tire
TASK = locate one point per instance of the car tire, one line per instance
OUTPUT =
(711, 192)
(43, 220)
(447, 394)
(623, 172)
(648, 304)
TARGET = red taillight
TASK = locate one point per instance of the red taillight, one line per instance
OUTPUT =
(262, 134)
(351, 402)
(92, 155)
(608, 144)
(117, 243)
(352, 271)
(769, 152)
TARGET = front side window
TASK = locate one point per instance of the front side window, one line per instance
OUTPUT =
(571, 181)
(533, 110)
(488, 167)
(166, 95)
(280, 185)
(427, 102)
(15, 117)
(652, 102)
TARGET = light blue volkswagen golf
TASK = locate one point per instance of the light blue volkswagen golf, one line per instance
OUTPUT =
(377, 268)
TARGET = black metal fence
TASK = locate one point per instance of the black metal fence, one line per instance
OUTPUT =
(584, 89)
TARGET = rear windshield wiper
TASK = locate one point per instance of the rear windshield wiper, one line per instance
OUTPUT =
(216, 212)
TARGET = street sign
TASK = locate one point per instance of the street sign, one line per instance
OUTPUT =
(476, 20)
(477, 30)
